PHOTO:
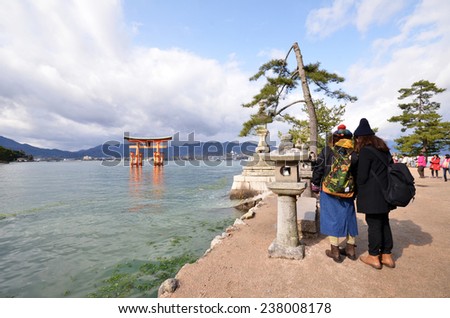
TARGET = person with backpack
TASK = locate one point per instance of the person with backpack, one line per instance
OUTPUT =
(372, 182)
(333, 176)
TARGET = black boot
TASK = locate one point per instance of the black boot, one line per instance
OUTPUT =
(334, 253)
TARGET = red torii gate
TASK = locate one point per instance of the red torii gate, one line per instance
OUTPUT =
(145, 143)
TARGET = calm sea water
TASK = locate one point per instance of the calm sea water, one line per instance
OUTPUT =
(67, 227)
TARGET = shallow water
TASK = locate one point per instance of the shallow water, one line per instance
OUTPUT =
(66, 227)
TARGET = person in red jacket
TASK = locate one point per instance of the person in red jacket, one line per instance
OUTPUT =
(435, 166)
(370, 199)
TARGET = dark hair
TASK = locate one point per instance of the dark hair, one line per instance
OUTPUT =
(370, 140)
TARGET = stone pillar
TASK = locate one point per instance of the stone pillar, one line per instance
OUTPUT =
(287, 243)
(287, 231)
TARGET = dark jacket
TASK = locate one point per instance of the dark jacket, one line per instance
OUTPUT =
(370, 199)
(322, 166)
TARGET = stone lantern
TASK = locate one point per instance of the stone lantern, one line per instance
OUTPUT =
(287, 186)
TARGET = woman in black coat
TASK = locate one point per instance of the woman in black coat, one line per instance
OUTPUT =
(370, 199)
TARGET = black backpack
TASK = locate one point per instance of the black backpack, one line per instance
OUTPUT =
(401, 189)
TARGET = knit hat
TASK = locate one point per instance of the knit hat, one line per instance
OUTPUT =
(343, 132)
(363, 129)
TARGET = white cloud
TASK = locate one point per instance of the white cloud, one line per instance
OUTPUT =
(325, 21)
(362, 14)
(418, 51)
(70, 78)
(375, 12)
(272, 54)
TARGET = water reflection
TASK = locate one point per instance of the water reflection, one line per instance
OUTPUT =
(158, 177)
(135, 176)
(146, 188)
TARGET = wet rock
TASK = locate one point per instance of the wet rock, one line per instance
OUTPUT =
(168, 286)
(250, 214)
(247, 204)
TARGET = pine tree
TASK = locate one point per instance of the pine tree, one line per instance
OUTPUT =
(281, 81)
(429, 132)
(327, 119)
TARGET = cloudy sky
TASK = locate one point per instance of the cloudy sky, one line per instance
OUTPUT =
(76, 73)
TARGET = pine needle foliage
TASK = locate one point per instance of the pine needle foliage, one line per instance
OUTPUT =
(420, 117)
(280, 82)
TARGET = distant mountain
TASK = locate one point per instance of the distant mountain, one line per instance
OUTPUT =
(50, 153)
(175, 150)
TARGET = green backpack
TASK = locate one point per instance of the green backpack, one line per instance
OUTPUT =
(339, 181)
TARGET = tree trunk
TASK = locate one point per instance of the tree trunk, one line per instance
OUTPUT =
(308, 100)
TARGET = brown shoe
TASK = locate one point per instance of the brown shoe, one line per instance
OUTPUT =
(334, 253)
(371, 260)
(349, 251)
(387, 260)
